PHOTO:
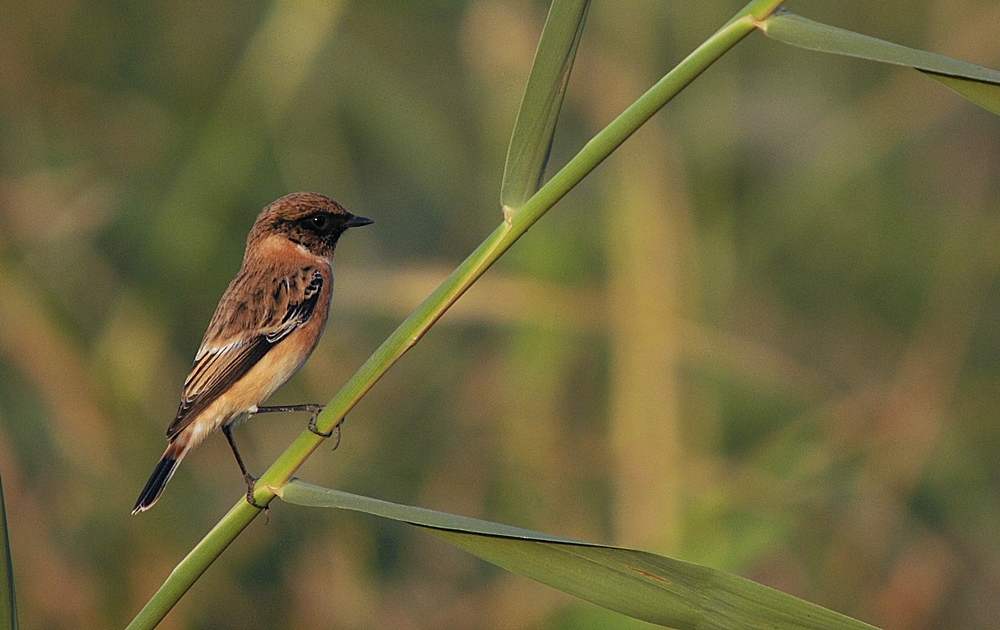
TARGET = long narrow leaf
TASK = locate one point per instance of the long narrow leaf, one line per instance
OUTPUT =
(8, 605)
(639, 584)
(531, 141)
(976, 83)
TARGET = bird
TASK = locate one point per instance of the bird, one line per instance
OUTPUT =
(266, 325)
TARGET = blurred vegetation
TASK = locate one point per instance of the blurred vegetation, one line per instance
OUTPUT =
(762, 336)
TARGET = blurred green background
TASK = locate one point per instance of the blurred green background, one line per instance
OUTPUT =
(764, 335)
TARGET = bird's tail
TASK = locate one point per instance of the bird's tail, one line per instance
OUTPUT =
(161, 475)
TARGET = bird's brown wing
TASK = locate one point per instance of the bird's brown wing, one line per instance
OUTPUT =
(252, 318)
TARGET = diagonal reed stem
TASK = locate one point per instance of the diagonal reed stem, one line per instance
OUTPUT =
(413, 328)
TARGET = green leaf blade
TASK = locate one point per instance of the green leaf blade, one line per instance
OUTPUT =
(976, 83)
(8, 603)
(661, 590)
(986, 95)
(531, 140)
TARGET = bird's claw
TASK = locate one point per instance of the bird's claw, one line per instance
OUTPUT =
(314, 429)
(336, 437)
(332, 433)
(251, 481)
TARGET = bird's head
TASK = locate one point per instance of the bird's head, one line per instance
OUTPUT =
(308, 219)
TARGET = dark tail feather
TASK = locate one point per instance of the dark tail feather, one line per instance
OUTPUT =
(158, 480)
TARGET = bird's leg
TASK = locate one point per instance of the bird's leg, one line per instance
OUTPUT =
(311, 408)
(250, 480)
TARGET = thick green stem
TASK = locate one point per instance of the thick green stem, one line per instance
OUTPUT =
(414, 327)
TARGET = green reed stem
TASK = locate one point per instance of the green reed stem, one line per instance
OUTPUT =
(413, 328)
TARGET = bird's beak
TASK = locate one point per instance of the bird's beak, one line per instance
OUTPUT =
(356, 221)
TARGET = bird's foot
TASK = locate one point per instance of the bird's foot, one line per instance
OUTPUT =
(334, 432)
(312, 423)
(251, 481)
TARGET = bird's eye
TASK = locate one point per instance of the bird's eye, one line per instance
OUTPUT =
(318, 221)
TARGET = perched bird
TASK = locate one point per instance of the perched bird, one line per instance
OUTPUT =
(266, 325)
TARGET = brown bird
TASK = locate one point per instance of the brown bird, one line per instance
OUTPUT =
(266, 325)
